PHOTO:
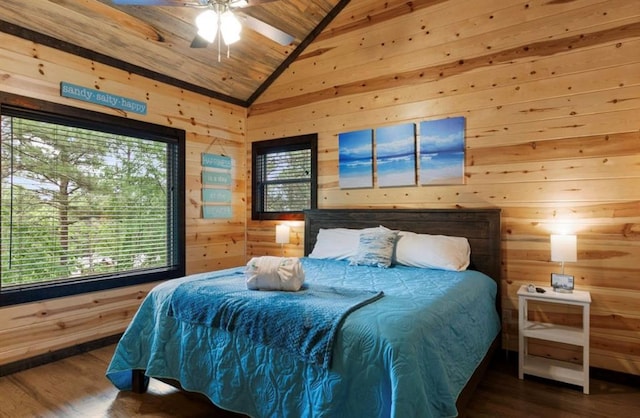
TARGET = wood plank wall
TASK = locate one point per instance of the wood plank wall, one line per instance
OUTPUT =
(35, 71)
(551, 95)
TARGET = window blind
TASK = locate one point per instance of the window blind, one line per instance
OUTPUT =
(79, 203)
(285, 180)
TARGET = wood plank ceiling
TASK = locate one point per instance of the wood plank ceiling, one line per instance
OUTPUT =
(155, 41)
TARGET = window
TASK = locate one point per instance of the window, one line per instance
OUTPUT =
(284, 177)
(89, 201)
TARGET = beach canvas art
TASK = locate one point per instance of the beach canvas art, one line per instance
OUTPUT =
(396, 155)
(442, 151)
(355, 159)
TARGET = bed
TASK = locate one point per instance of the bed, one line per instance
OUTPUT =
(419, 350)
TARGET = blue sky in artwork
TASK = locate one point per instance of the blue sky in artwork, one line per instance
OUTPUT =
(395, 140)
(355, 145)
(443, 135)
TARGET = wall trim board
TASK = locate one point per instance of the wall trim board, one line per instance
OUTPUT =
(28, 363)
(53, 42)
(70, 48)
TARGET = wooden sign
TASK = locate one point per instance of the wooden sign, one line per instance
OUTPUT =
(216, 195)
(215, 178)
(216, 186)
(99, 97)
(216, 161)
(210, 212)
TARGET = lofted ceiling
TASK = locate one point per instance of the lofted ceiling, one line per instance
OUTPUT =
(155, 41)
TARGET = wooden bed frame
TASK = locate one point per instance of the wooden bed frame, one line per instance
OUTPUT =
(480, 226)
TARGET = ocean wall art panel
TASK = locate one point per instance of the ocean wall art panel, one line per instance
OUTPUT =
(396, 155)
(442, 151)
(355, 159)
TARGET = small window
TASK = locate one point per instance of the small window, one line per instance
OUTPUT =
(284, 177)
(89, 202)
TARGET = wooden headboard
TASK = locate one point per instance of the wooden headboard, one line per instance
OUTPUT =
(480, 226)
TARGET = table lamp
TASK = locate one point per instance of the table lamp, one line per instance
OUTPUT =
(563, 249)
(282, 235)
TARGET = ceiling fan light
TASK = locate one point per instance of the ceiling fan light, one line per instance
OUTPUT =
(230, 27)
(207, 24)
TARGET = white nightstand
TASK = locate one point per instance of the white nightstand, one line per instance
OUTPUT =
(562, 371)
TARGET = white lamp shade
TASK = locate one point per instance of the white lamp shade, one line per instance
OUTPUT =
(282, 234)
(564, 248)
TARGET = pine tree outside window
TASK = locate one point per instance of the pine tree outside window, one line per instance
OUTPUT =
(89, 202)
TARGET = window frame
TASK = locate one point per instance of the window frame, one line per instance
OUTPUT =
(77, 117)
(293, 143)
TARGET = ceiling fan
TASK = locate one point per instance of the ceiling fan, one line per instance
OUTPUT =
(221, 20)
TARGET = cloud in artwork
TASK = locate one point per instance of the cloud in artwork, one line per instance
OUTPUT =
(355, 145)
(444, 135)
(395, 140)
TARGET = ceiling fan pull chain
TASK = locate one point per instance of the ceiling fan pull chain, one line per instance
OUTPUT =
(219, 46)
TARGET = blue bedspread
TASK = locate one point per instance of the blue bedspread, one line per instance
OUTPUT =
(409, 354)
(303, 323)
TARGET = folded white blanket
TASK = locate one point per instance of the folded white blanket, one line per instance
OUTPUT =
(274, 273)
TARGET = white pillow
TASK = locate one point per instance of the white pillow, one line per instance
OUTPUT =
(336, 243)
(432, 251)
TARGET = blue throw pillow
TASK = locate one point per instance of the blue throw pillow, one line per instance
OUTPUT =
(375, 248)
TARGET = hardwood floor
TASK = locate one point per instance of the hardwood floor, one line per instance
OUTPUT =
(502, 394)
(76, 387)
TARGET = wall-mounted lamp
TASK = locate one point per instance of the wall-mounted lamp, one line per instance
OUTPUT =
(563, 249)
(282, 235)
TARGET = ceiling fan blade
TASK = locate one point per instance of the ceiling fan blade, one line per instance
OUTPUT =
(160, 2)
(199, 42)
(237, 4)
(183, 2)
(257, 2)
(266, 29)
